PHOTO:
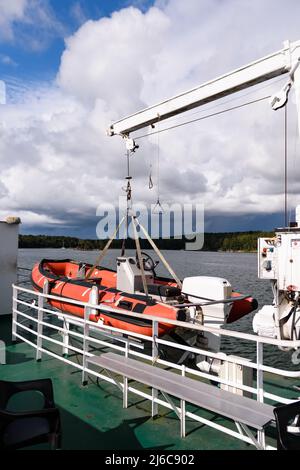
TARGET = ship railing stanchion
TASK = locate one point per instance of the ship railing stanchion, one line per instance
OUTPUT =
(260, 372)
(125, 380)
(182, 407)
(66, 338)
(93, 299)
(14, 313)
(154, 407)
(85, 344)
(39, 340)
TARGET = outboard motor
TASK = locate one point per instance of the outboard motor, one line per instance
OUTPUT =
(200, 290)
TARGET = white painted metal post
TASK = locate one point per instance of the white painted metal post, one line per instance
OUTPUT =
(39, 340)
(66, 338)
(154, 407)
(260, 386)
(93, 299)
(182, 408)
(125, 381)
(154, 343)
(14, 313)
(260, 372)
(85, 344)
(261, 437)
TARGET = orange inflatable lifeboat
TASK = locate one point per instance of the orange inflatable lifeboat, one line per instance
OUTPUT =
(62, 276)
(66, 279)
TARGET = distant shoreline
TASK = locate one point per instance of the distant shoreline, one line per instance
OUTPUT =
(227, 242)
(148, 248)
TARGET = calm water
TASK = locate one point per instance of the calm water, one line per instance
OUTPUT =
(239, 268)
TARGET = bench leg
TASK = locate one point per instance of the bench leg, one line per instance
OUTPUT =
(259, 443)
(261, 437)
(154, 408)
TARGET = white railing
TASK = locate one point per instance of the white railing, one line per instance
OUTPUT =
(31, 306)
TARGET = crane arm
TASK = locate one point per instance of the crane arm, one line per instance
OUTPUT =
(274, 65)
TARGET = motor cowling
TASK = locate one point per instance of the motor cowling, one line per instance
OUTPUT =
(203, 289)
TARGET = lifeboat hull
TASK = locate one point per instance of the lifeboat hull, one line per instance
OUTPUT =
(66, 279)
(63, 282)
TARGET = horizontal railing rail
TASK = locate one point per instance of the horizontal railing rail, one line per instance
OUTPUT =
(295, 344)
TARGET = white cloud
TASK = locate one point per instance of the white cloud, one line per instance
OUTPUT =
(56, 160)
(11, 12)
(7, 60)
(30, 23)
(77, 13)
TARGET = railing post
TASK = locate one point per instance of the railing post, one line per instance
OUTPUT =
(125, 381)
(66, 338)
(14, 313)
(154, 359)
(260, 372)
(39, 340)
(182, 410)
(154, 343)
(260, 386)
(85, 344)
(93, 299)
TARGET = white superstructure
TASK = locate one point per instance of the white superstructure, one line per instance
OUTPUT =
(9, 232)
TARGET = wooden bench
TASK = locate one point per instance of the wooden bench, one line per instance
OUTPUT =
(242, 410)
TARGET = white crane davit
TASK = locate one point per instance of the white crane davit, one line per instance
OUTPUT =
(285, 61)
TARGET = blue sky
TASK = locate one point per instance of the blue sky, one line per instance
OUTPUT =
(19, 59)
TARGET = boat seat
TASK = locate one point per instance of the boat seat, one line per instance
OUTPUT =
(242, 410)
(163, 291)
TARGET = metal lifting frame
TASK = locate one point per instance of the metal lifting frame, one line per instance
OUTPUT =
(136, 224)
(285, 61)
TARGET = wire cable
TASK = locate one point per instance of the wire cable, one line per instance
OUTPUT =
(202, 118)
(286, 165)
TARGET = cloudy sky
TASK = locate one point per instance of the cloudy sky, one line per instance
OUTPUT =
(71, 68)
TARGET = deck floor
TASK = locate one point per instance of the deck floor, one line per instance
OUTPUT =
(93, 417)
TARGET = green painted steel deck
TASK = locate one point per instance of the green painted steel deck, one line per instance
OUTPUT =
(93, 417)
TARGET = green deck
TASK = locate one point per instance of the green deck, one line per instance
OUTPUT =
(93, 417)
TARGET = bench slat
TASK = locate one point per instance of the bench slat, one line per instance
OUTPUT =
(236, 407)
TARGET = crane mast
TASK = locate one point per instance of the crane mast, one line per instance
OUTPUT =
(282, 62)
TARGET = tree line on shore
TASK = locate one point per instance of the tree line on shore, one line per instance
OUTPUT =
(227, 241)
